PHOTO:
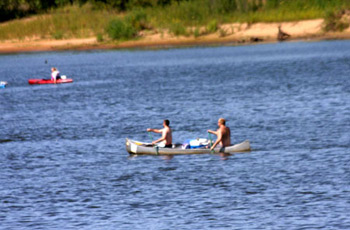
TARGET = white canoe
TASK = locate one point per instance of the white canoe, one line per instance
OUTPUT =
(141, 148)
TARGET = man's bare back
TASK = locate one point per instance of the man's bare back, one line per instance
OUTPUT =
(226, 136)
(223, 134)
(166, 135)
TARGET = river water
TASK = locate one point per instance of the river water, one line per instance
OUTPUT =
(63, 163)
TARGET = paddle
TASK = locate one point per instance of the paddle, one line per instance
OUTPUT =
(210, 142)
(155, 146)
(150, 136)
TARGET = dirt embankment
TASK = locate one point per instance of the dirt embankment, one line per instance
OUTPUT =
(228, 34)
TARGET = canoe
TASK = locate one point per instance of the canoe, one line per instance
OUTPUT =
(49, 81)
(141, 148)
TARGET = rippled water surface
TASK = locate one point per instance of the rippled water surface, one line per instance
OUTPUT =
(63, 163)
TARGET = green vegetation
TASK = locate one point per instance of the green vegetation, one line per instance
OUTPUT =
(119, 29)
(124, 19)
(177, 28)
(66, 22)
(196, 32)
(212, 27)
(334, 21)
(201, 12)
(129, 26)
(138, 19)
(99, 37)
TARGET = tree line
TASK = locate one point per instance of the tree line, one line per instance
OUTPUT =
(11, 9)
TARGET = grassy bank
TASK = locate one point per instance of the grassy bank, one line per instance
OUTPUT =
(66, 22)
(75, 21)
(202, 12)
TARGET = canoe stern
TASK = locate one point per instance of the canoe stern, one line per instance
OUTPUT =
(130, 146)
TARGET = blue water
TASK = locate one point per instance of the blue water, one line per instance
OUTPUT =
(63, 163)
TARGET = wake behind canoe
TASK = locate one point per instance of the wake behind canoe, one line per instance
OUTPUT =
(141, 148)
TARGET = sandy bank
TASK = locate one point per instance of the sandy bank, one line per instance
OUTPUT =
(229, 33)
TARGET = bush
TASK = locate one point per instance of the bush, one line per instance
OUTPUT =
(212, 26)
(197, 32)
(57, 35)
(178, 29)
(333, 21)
(138, 19)
(223, 32)
(99, 38)
(120, 29)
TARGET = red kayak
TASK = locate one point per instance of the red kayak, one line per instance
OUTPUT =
(49, 81)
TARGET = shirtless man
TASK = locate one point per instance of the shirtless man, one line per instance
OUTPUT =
(166, 134)
(223, 134)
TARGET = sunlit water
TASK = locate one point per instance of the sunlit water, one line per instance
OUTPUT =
(63, 163)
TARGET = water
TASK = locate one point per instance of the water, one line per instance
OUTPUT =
(63, 162)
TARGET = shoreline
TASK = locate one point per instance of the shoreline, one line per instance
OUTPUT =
(234, 34)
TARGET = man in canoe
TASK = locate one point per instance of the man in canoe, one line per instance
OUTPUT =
(55, 74)
(166, 134)
(223, 134)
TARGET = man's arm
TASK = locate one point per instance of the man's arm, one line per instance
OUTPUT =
(212, 132)
(164, 135)
(159, 140)
(218, 140)
(155, 130)
(158, 131)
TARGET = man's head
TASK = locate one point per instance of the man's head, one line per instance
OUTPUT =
(166, 122)
(221, 121)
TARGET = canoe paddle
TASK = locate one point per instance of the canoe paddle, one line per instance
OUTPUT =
(210, 142)
(150, 136)
(155, 146)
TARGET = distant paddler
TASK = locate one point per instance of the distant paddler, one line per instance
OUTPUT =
(223, 134)
(166, 139)
(55, 74)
